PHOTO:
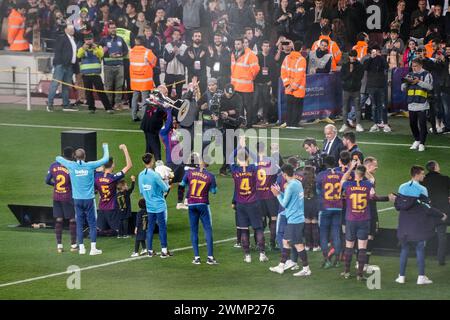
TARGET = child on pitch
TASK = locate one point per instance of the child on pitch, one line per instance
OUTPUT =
(293, 202)
(124, 204)
(140, 230)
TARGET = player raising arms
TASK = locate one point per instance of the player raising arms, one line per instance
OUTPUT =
(106, 185)
(357, 194)
(247, 208)
(200, 182)
(328, 185)
(267, 176)
(292, 201)
(58, 177)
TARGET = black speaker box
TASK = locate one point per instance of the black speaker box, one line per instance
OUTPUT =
(81, 139)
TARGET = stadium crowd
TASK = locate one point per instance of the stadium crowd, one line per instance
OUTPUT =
(246, 43)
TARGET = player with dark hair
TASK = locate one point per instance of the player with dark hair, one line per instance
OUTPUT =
(247, 208)
(349, 141)
(200, 182)
(267, 175)
(357, 194)
(153, 188)
(58, 177)
(106, 185)
(124, 204)
(328, 185)
(140, 230)
(292, 201)
(311, 209)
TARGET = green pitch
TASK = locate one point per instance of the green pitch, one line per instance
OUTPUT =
(28, 149)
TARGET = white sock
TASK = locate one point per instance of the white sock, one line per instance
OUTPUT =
(59, 246)
(197, 257)
(73, 245)
(211, 257)
(164, 250)
(93, 246)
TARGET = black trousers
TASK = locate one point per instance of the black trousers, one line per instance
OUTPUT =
(153, 144)
(226, 156)
(249, 107)
(418, 125)
(263, 99)
(294, 110)
(91, 82)
(172, 78)
(441, 230)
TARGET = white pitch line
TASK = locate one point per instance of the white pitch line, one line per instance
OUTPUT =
(96, 266)
(139, 131)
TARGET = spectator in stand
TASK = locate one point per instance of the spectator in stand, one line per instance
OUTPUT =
(118, 9)
(320, 60)
(131, 15)
(376, 67)
(318, 17)
(175, 70)
(410, 53)
(351, 75)
(219, 60)
(194, 58)
(339, 34)
(252, 40)
(332, 47)
(402, 18)
(101, 24)
(362, 45)
(419, 23)
(171, 7)
(173, 24)
(148, 8)
(240, 16)
(377, 24)
(152, 42)
(283, 18)
(159, 24)
(191, 17)
(436, 19)
(350, 12)
(262, 25)
(299, 23)
(394, 43)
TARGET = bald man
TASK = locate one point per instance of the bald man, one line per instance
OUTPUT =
(82, 179)
(332, 144)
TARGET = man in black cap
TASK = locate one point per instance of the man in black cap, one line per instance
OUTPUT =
(231, 108)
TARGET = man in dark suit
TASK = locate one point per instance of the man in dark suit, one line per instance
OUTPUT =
(63, 62)
(332, 144)
(438, 186)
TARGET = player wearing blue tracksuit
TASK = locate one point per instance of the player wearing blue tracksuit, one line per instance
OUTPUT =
(200, 182)
(82, 179)
(152, 187)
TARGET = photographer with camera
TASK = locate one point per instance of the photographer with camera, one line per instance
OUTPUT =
(231, 111)
(219, 60)
(90, 56)
(315, 156)
(209, 104)
(418, 83)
